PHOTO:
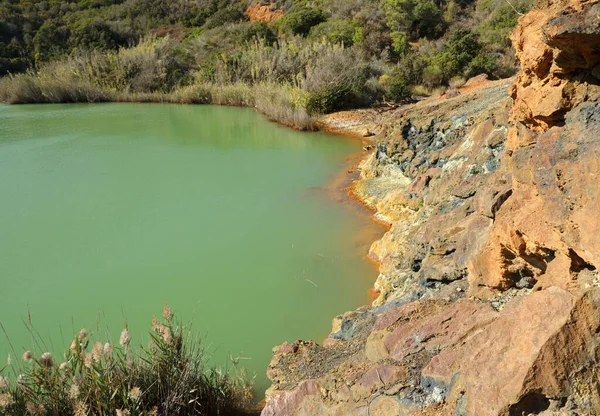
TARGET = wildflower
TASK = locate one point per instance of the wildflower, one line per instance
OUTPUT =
(97, 351)
(73, 346)
(135, 394)
(27, 356)
(121, 412)
(167, 314)
(6, 400)
(3, 383)
(82, 334)
(125, 339)
(88, 360)
(80, 409)
(46, 360)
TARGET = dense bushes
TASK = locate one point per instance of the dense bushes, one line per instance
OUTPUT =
(339, 53)
(300, 20)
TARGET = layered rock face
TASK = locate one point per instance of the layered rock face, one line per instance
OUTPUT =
(489, 291)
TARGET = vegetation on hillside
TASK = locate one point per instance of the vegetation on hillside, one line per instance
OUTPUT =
(324, 54)
(168, 377)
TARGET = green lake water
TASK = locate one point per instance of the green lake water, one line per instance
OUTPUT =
(110, 210)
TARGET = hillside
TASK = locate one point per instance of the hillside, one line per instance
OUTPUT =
(324, 55)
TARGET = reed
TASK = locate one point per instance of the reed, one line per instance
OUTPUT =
(166, 377)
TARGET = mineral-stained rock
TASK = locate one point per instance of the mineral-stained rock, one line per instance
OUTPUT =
(558, 48)
(490, 293)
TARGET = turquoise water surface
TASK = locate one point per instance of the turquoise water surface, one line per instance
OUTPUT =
(111, 210)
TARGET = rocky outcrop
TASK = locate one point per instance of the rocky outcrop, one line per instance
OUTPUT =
(547, 231)
(489, 292)
(264, 12)
(558, 48)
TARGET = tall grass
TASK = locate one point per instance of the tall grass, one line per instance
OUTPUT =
(48, 87)
(288, 82)
(167, 377)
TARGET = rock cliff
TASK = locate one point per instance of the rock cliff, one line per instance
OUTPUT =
(489, 301)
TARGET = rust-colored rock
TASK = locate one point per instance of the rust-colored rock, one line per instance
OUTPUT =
(263, 13)
(558, 49)
(490, 294)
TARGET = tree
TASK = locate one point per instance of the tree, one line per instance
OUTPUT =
(417, 18)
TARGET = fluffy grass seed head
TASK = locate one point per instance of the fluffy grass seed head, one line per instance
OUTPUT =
(135, 394)
(82, 334)
(162, 330)
(167, 314)
(125, 339)
(35, 409)
(46, 360)
(27, 356)
(4, 384)
(88, 360)
(6, 400)
(108, 350)
(80, 409)
(74, 390)
(97, 351)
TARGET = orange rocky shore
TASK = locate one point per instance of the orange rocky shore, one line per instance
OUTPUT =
(490, 298)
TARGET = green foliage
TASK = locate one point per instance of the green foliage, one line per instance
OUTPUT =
(396, 87)
(433, 75)
(223, 17)
(482, 64)
(497, 20)
(462, 46)
(329, 99)
(418, 18)
(337, 31)
(300, 20)
(399, 42)
(462, 55)
(117, 49)
(257, 31)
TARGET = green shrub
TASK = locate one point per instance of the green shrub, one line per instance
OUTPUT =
(464, 45)
(224, 16)
(330, 99)
(482, 64)
(337, 31)
(257, 31)
(300, 20)
(433, 76)
(418, 18)
(398, 90)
